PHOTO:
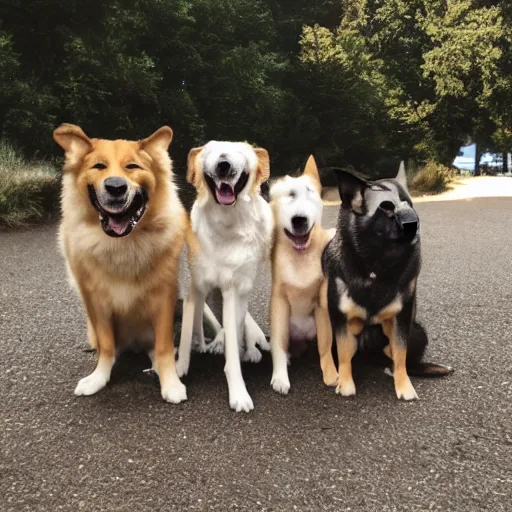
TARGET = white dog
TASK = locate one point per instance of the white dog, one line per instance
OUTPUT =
(231, 236)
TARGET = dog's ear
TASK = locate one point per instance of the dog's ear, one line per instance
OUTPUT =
(401, 176)
(263, 172)
(192, 174)
(73, 141)
(157, 142)
(311, 171)
(351, 187)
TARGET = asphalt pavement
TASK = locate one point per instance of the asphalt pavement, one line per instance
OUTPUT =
(125, 449)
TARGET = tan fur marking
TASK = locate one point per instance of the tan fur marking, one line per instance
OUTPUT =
(403, 386)
(388, 312)
(350, 309)
(355, 326)
(347, 347)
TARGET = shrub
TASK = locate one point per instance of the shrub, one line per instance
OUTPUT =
(432, 178)
(29, 191)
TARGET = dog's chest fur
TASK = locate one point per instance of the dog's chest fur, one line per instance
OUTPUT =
(233, 240)
(368, 300)
(300, 279)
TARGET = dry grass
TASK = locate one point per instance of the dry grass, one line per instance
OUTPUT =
(432, 178)
(29, 191)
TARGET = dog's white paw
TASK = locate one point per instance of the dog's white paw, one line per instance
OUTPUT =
(91, 384)
(217, 345)
(174, 391)
(198, 344)
(406, 391)
(280, 382)
(255, 336)
(346, 388)
(263, 343)
(252, 355)
(240, 400)
(182, 367)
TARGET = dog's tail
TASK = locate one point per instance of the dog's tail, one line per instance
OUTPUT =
(416, 347)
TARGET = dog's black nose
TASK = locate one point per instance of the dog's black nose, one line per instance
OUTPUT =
(387, 206)
(300, 224)
(116, 186)
(409, 222)
(223, 169)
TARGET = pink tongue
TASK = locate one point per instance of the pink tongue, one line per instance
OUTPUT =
(118, 226)
(225, 195)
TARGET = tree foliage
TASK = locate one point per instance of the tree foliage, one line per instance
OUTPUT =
(365, 83)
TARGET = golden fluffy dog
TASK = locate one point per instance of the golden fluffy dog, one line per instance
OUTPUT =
(122, 231)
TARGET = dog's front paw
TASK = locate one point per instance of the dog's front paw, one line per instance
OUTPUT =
(252, 355)
(182, 367)
(280, 382)
(406, 391)
(174, 391)
(91, 384)
(254, 335)
(346, 388)
(217, 345)
(240, 400)
(331, 377)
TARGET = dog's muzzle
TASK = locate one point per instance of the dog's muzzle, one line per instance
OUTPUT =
(119, 211)
(408, 221)
(224, 184)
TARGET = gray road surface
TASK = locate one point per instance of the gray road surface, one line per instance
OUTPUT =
(124, 449)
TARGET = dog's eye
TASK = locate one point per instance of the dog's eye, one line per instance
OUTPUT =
(99, 165)
(292, 194)
(133, 166)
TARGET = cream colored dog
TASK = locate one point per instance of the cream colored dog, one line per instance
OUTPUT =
(298, 304)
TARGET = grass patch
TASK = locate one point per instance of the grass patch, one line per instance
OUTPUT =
(432, 178)
(29, 190)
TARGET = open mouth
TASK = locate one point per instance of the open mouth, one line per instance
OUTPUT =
(224, 192)
(300, 242)
(121, 223)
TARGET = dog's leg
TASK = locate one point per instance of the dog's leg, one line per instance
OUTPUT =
(100, 322)
(253, 330)
(403, 386)
(198, 328)
(253, 336)
(324, 336)
(234, 307)
(187, 329)
(279, 339)
(347, 347)
(211, 319)
(91, 335)
(171, 387)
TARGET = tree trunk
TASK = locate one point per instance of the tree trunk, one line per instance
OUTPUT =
(505, 163)
(477, 160)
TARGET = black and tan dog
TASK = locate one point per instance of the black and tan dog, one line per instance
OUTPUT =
(372, 265)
